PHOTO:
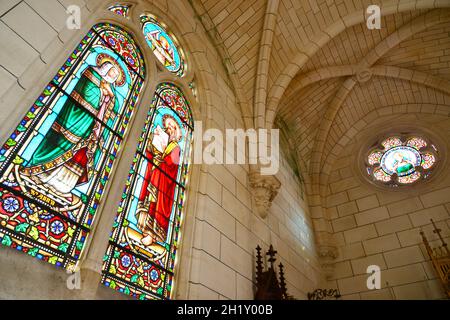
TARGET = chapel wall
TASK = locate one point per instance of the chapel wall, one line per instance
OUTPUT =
(222, 227)
(378, 226)
(228, 228)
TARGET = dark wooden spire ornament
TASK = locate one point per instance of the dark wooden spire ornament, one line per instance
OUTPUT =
(271, 253)
(440, 258)
(259, 264)
(268, 287)
(283, 281)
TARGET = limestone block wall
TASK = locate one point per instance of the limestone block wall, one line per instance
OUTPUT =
(221, 227)
(381, 227)
(227, 228)
(227, 233)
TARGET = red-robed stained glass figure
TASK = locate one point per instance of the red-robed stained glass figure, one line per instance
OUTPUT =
(158, 189)
(140, 259)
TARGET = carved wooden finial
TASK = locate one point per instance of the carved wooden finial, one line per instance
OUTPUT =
(268, 286)
(259, 264)
(271, 253)
(439, 258)
(438, 232)
(282, 281)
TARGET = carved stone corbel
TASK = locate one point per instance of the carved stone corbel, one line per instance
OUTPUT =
(327, 255)
(328, 252)
(265, 190)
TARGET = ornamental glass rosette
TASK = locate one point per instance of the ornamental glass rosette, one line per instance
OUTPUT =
(401, 160)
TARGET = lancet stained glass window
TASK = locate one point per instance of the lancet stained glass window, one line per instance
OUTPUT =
(55, 165)
(141, 255)
(401, 161)
(164, 45)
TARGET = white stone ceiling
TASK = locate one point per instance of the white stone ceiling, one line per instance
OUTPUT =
(300, 60)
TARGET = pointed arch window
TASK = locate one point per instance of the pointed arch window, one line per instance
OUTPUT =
(164, 45)
(140, 259)
(55, 165)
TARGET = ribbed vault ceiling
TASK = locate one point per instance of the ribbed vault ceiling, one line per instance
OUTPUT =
(303, 66)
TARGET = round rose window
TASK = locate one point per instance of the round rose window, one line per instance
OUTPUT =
(400, 161)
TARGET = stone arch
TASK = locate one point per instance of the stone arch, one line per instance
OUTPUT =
(264, 62)
(421, 23)
(317, 159)
(281, 83)
(200, 68)
(391, 110)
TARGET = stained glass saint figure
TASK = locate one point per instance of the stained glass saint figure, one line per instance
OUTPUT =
(140, 259)
(65, 157)
(163, 45)
(162, 49)
(401, 163)
(55, 166)
(158, 189)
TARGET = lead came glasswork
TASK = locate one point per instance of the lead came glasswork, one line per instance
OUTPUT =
(140, 259)
(121, 10)
(379, 174)
(56, 164)
(163, 45)
(375, 157)
(428, 160)
(416, 143)
(410, 178)
(401, 163)
(401, 160)
(391, 142)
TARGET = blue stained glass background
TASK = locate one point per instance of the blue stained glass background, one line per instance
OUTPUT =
(150, 27)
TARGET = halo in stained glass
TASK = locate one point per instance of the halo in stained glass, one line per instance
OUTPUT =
(164, 45)
(123, 44)
(400, 160)
(55, 166)
(140, 259)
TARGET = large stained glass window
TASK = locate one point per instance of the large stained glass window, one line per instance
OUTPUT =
(401, 161)
(164, 45)
(141, 255)
(55, 165)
